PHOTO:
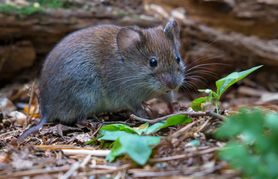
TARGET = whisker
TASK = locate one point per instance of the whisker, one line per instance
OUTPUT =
(205, 65)
(192, 86)
(203, 72)
(186, 90)
(199, 77)
(198, 80)
(203, 59)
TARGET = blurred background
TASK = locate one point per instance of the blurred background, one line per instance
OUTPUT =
(233, 34)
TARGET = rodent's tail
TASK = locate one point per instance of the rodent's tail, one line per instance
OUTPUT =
(31, 130)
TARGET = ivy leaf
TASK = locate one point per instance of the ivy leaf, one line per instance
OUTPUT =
(138, 148)
(224, 83)
(171, 121)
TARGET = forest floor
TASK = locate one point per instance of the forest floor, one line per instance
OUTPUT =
(189, 150)
(61, 151)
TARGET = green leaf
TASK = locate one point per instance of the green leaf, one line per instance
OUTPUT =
(197, 103)
(114, 131)
(171, 121)
(272, 121)
(239, 157)
(224, 83)
(252, 145)
(111, 135)
(138, 148)
(236, 125)
(118, 127)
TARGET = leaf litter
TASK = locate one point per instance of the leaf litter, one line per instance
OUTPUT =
(187, 149)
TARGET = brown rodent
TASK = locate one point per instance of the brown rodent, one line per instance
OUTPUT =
(108, 68)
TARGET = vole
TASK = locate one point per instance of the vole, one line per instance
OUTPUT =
(108, 68)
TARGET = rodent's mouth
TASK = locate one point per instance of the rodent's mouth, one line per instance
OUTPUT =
(170, 82)
(166, 86)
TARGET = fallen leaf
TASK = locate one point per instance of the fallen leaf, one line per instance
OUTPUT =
(19, 117)
(6, 106)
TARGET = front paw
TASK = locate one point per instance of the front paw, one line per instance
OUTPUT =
(141, 113)
(146, 112)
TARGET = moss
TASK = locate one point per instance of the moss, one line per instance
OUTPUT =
(34, 6)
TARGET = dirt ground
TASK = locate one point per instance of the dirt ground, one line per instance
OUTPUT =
(61, 151)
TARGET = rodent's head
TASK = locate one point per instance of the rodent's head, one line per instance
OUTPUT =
(153, 55)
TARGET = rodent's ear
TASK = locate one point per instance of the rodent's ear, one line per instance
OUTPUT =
(128, 37)
(172, 30)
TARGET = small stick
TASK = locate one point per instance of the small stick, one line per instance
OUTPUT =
(85, 161)
(152, 121)
(183, 156)
(185, 129)
(182, 130)
(215, 115)
(35, 172)
(60, 147)
(99, 153)
(193, 114)
(97, 172)
(153, 174)
(71, 171)
(203, 126)
(96, 131)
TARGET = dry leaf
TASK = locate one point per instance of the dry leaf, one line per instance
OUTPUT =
(6, 106)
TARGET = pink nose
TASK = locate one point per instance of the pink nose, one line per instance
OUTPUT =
(170, 81)
(171, 84)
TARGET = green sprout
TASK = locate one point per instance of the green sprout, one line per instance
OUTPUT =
(213, 97)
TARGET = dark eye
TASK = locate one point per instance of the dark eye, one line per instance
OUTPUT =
(178, 59)
(153, 62)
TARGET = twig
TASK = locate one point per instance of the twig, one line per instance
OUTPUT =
(34, 172)
(191, 114)
(183, 156)
(203, 126)
(99, 153)
(183, 134)
(71, 171)
(215, 115)
(151, 121)
(182, 130)
(105, 167)
(60, 147)
(71, 150)
(144, 173)
(93, 135)
(75, 167)
(97, 172)
(9, 133)
(85, 161)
